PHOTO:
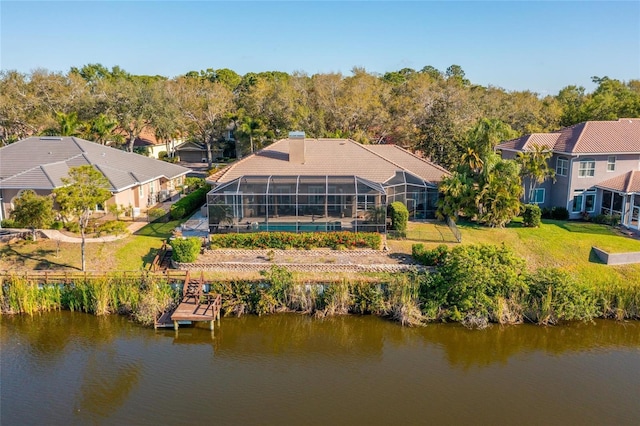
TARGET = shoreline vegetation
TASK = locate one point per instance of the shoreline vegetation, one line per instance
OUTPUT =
(512, 275)
(475, 285)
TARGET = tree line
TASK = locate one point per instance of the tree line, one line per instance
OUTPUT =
(428, 110)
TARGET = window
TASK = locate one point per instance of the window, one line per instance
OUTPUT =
(140, 191)
(562, 165)
(590, 203)
(536, 196)
(577, 203)
(611, 163)
(587, 168)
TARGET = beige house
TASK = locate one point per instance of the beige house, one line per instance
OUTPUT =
(300, 184)
(39, 163)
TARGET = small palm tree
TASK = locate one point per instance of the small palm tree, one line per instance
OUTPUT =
(535, 166)
(68, 124)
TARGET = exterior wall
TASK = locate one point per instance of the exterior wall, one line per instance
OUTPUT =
(624, 163)
(8, 195)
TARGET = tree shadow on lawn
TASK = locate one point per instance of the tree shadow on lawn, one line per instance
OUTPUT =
(39, 255)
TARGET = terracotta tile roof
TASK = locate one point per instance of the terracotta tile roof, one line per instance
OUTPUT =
(590, 137)
(337, 157)
(626, 183)
(41, 163)
(526, 142)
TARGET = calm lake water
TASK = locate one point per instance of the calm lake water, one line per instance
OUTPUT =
(70, 368)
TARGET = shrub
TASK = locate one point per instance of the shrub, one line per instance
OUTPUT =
(112, 227)
(9, 223)
(57, 225)
(478, 283)
(559, 213)
(606, 219)
(433, 257)
(155, 213)
(531, 216)
(186, 250)
(72, 227)
(554, 295)
(186, 205)
(399, 216)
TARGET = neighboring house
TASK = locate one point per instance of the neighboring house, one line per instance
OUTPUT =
(299, 184)
(40, 163)
(153, 146)
(195, 152)
(597, 166)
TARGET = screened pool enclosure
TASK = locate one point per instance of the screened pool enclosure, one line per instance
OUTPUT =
(314, 203)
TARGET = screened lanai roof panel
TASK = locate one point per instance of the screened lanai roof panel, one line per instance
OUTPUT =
(254, 184)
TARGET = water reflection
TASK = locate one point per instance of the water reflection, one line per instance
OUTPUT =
(292, 368)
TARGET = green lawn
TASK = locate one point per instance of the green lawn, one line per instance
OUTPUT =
(139, 250)
(554, 244)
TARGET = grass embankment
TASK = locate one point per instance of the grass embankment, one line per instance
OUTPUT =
(560, 244)
(132, 253)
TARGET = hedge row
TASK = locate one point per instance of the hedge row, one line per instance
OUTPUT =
(306, 240)
(187, 205)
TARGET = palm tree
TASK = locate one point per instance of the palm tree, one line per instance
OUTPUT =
(69, 125)
(472, 159)
(251, 127)
(103, 129)
(535, 166)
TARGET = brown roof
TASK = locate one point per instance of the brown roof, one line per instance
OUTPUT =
(338, 157)
(627, 183)
(590, 137)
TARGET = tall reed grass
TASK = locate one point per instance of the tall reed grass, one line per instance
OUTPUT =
(546, 296)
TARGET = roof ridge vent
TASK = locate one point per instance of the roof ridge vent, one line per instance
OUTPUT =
(50, 138)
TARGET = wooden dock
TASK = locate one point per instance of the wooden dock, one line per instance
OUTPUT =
(195, 306)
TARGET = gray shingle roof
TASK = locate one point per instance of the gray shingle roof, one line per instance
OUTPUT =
(590, 137)
(41, 163)
(336, 157)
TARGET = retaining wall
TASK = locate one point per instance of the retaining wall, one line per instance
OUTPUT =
(617, 258)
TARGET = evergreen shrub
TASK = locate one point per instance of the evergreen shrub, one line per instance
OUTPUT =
(399, 216)
(186, 250)
(531, 216)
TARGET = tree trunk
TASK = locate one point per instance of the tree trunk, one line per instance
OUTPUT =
(132, 139)
(82, 247)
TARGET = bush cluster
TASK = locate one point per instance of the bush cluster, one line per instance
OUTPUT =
(187, 205)
(399, 216)
(112, 227)
(606, 219)
(426, 257)
(478, 284)
(186, 250)
(305, 240)
(531, 216)
(557, 213)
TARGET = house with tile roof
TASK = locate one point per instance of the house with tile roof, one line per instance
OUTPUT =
(597, 166)
(40, 163)
(300, 184)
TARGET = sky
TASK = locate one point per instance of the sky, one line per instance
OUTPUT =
(541, 46)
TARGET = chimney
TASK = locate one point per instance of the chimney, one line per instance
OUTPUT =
(296, 147)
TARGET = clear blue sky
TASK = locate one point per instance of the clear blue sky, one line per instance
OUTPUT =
(540, 46)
